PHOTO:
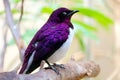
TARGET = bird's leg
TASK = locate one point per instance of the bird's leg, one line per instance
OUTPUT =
(52, 67)
(59, 65)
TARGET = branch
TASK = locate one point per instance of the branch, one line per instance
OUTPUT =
(10, 22)
(73, 71)
(3, 47)
(22, 10)
(14, 29)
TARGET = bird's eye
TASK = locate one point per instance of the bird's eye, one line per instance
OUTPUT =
(64, 13)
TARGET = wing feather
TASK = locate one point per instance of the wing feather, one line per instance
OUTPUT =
(48, 42)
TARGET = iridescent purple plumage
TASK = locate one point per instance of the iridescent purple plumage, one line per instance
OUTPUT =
(48, 39)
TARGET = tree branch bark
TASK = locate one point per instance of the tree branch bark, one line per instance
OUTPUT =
(14, 28)
(22, 11)
(73, 71)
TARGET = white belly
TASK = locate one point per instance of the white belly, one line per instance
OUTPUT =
(61, 52)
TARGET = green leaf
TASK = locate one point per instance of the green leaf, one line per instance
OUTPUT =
(16, 1)
(81, 41)
(85, 29)
(96, 15)
(47, 10)
(15, 11)
(2, 12)
(86, 26)
(78, 1)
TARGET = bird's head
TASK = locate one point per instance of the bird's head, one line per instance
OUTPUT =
(61, 15)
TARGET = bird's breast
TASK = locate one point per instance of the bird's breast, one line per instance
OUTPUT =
(61, 52)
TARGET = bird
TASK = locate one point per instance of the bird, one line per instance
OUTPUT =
(51, 42)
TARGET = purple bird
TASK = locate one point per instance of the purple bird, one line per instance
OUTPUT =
(51, 42)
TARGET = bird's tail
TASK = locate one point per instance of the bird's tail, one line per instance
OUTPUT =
(22, 70)
(33, 66)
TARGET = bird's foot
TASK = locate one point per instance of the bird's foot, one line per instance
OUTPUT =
(59, 65)
(53, 68)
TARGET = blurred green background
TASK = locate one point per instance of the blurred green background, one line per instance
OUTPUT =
(96, 31)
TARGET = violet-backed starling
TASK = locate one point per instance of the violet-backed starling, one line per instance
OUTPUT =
(51, 42)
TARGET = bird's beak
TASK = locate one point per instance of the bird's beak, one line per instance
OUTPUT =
(72, 12)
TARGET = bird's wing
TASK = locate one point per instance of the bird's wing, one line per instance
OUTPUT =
(49, 40)
(44, 45)
(52, 41)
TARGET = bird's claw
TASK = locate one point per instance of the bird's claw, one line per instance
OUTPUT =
(53, 68)
(59, 65)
